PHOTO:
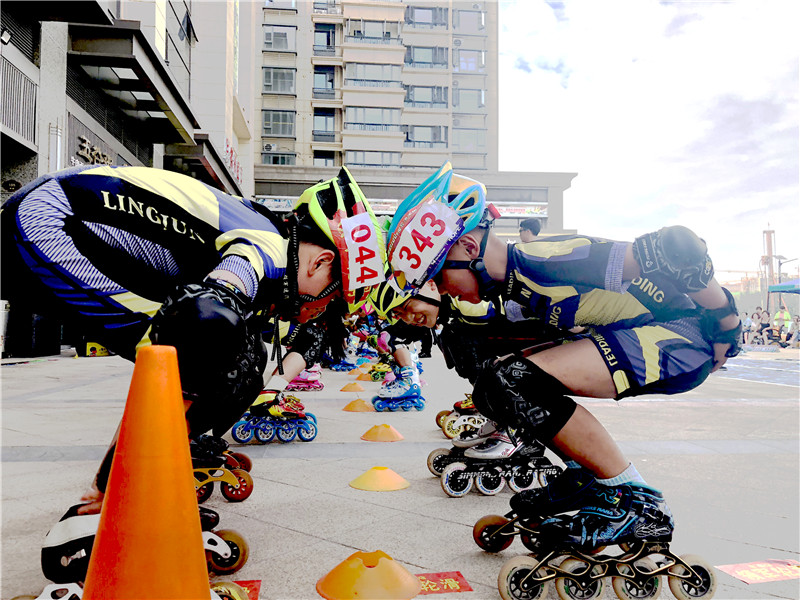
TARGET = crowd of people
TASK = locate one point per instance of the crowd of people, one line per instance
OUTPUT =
(141, 256)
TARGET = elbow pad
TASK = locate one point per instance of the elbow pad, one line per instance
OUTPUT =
(679, 254)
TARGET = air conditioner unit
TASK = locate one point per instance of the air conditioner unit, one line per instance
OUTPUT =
(269, 147)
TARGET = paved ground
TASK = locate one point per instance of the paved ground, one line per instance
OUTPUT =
(726, 456)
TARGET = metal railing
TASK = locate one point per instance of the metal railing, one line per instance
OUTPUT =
(322, 135)
(427, 65)
(372, 126)
(323, 92)
(362, 39)
(420, 144)
(327, 8)
(373, 83)
(426, 103)
(18, 102)
(320, 50)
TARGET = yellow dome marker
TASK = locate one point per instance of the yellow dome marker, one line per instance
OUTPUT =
(382, 433)
(369, 575)
(359, 406)
(364, 377)
(379, 479)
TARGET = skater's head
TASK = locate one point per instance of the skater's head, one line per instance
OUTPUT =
(341, 245)
(421, 309)
(529, 229)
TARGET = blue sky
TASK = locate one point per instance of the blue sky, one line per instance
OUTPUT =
(672, 112)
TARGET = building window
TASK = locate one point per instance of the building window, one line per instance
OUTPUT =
(324, 125)
(373, 158)
(324, 158)
(426, 57)
(469, 61)
(323, 82)
(372, 118)
(373, 75)
(290, 4)
(425, 136)
(375, 32)
(278, 158)
(468, 100)
(468, 140)
(469, 21)
(324, 39)
(278, 81)
(278, 123)
(425, 96)
(426, 17)
(280, 38)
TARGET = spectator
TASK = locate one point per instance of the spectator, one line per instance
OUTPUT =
(529, 229)
(793, 336)
(782, 321)
(747, 323)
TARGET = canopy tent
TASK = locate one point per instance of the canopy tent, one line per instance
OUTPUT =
(787, 287)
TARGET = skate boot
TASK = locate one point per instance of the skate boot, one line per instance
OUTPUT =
(475, 436)
(446, 419)
(614, 515)
(306, 381)
(210, 465)
(351, 357)
(284, 417)
(218, 446)
(498, 445)
(401, 394)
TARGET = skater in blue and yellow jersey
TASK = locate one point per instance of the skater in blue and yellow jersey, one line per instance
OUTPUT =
(136, 255)
(657, 322)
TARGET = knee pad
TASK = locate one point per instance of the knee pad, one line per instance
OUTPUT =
(678, 253)
(517, 393)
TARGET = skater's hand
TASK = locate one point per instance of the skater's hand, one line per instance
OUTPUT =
(92, 502)
(719, 355)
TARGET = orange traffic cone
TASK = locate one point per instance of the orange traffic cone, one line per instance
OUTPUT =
(149, 544)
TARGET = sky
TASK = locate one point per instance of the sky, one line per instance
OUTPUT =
(669, 112)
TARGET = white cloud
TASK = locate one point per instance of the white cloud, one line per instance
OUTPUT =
(669, 113)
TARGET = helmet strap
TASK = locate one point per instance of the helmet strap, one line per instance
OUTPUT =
(488, 288)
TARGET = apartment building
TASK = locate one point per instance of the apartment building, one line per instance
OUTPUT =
(392, 89)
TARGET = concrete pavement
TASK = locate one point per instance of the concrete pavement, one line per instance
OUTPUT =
(726, 456)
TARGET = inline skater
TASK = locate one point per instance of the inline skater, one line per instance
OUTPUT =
(137, 255)
(658, 322)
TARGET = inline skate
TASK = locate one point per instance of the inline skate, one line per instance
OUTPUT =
(403, 393)
(275, 416)
(464, 417)
(307, 381)
(351, 358)
(210, 465)
(68, 545)
(490, 464)
(379, 370)
(573, 550)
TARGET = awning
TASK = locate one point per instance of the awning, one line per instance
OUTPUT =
(787, 287)
(124, 65)
(201, 161)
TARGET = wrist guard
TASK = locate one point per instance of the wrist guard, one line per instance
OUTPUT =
(678, 253)
(711, 319)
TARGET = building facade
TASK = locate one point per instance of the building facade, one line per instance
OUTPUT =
(392, 89)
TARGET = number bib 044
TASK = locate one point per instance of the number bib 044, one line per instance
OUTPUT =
(363, 255)
(425, 239)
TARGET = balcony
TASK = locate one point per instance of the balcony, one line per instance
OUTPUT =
(324, 93)
(372, 126)
(327, 8)
(18, 102)
(421, 144)
(383, 41)
(426, 65)
(324, 50)
(373, 83)
(323, 135)
(425, 104)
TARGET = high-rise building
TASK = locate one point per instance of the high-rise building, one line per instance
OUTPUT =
(392, 89)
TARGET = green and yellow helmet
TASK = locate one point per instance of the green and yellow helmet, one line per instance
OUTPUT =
(339, 208)
(386, 296)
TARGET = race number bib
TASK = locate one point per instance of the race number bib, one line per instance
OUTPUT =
(423, 241)
(363, 255)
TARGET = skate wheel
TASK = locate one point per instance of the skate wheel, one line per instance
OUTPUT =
(265, 432)
(204, 491)
(379, 405)
(286, 432)
(239, 553)
(307, 431)
(635, 581)
(228, 590)
(240, 492)
(521, 478)
(696, 581)
(242, 432)
(312, 416)
(456, 483)
(492, 533)
(491, 482)
(518, 581)
(437, 461)
(242, 461)
(448, 426)
(440, 417)
(587, 583)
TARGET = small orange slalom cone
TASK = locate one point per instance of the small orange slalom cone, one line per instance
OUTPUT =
(359, 405)
(364, 377)
(382, 433)
(369, 575)
(354, 370)
(379, 479)
(149, 543)
(352, 387)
